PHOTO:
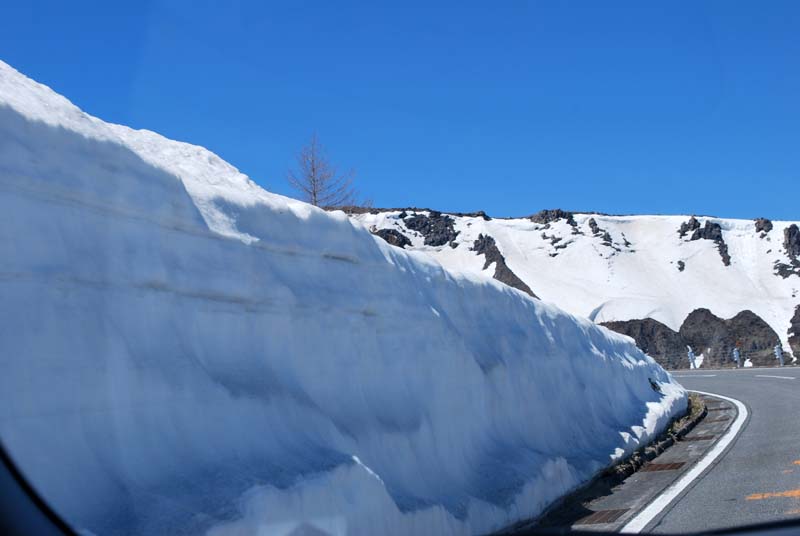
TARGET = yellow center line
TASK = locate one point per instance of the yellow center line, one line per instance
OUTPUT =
(794, 512)
(792, 493)
(787, 471)
(796, 462)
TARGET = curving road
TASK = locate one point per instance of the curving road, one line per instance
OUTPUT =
(758, 479)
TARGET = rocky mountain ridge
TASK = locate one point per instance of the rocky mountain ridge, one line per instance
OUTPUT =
(667, 281)
(708, 335)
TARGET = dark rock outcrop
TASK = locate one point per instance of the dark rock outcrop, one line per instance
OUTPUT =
(655, 339)
(763, 226)
(437, 228)
(553, 239)
(713, 231)
(791, 243)
(754, 335)
(785, 270)
(687, 226)
(681, 266)
(707, 334)
(404, 210)
(599, 231)
(556, 241)
(715, 338)
(486, 246)
(551, 215)
(395, 238)
(794, 332)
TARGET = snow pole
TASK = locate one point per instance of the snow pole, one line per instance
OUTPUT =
(692, 363)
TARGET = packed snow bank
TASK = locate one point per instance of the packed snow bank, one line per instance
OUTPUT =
(184, 352)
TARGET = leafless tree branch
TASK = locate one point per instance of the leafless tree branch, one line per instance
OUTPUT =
(317, 180)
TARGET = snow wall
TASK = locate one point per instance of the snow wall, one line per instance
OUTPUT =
(183, 352)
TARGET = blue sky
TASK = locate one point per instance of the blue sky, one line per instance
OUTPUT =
(620, 107)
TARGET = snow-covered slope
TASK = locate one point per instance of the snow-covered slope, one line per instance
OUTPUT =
(608, 268)
(183, 352)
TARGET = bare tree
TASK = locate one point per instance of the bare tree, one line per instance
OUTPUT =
(318, 181)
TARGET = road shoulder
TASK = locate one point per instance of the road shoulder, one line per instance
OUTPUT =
(635, 494)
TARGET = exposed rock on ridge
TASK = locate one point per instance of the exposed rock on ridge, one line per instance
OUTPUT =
(791, 243)
(486, 246)
(763, 226)
(599, 231)
(352, 209)
(394, 237)
(712, 231)
(437, 228)
(550, 215)
(687, 226)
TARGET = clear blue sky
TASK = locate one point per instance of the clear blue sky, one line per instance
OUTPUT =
(621, 107)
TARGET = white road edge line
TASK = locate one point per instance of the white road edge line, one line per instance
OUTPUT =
(768, 376)
(643, 518)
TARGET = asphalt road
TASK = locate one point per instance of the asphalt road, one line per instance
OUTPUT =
(758, 479)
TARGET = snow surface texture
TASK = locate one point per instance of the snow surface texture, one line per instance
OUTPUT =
(184, 352)
(634, 276)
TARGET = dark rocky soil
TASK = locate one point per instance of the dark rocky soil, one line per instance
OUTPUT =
(486, 246)
(437, 228)
(395, 238)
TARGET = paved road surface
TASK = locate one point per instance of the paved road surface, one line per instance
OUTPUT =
(758, 479)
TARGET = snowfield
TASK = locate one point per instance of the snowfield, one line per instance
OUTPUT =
(183, 352)
(636, 274)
